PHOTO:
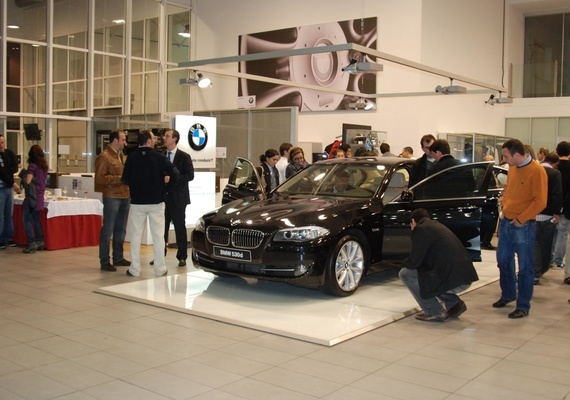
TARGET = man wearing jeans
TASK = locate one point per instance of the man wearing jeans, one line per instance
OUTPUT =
(8, 167)
(524, 198)
(437, 269)
(147, 172)
(116, 201)
(561, 236)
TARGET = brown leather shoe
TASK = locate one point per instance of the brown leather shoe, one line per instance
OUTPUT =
(432, 318)
(567, 280)
(108, 267)
(457, 310)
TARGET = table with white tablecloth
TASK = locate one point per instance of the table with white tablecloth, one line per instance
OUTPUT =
(66, 222)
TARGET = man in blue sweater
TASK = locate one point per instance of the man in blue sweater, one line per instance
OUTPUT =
(147, 173)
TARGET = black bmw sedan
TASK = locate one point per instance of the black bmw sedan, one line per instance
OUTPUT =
(336, 221)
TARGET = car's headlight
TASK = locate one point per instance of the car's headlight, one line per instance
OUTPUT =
(300, 234)
(200, 225)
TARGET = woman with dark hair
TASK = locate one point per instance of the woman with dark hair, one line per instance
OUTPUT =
(267, 170)
(35, 185)
(297, 162)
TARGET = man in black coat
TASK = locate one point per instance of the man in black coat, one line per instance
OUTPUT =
(423, 164)
(178, 196)
(442, 154)
(8, 167)
(147, 173)
(438, 267)
(548, 218)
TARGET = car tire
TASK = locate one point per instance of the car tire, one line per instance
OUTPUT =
(346, 265)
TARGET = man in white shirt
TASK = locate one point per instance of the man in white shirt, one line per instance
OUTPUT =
(283, 161)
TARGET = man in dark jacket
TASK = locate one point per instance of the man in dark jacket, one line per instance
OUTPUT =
(423, 164)
(442, 154)
(178, 196)
(548, 218)
(438, 267)
(8, 167)
(147, 172)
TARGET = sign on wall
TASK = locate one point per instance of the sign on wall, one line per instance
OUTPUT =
(197, 138)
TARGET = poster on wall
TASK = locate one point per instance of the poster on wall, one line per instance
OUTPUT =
(197, 138)
(324, 69)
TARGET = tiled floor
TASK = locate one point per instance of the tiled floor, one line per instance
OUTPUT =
(60, 340)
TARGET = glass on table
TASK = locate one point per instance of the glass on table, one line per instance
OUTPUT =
(85, 191)
(64, 191)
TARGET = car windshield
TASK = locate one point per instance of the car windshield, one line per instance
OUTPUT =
(356, 180)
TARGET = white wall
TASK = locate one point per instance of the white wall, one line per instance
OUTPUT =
(460, 36)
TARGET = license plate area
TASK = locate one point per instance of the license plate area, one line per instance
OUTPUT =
(232, 254)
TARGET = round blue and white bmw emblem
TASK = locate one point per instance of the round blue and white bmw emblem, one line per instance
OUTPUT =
(197, 137)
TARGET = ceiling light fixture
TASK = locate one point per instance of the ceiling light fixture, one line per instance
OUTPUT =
(498, 100)
(198, 80)
(119, 21)
(13, 27)
(186, 32)
(356, 67)
(451, 89)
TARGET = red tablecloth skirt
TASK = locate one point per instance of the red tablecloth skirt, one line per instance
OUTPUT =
(61, 232)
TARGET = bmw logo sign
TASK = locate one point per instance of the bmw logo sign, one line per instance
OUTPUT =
(198, 137)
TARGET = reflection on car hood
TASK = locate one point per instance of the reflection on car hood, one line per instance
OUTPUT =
(284, 210)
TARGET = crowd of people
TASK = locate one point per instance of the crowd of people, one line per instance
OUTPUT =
(153, 186)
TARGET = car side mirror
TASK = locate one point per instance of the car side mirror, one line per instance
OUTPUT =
(407, 195)
(248, 186)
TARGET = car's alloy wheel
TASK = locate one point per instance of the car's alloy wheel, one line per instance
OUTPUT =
(345, 267)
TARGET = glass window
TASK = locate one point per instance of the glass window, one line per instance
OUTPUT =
(28, 22)
(178, 98)
(33, 78)
(546, 37)
(145, 29)
(110, 26)
(70, 21)
(242, 173)
(453, 183)
(108, 82)
(60, 63)
(178, 37)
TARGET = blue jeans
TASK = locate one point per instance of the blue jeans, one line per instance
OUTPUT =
(560, 239)
(545, 231)
(6, 223)
(431, 306)
(115, 216)
(32, 225)
(519, 241)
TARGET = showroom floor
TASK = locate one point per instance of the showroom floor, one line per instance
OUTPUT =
(61, 340)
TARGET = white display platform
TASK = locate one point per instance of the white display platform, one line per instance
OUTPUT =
(285, 310)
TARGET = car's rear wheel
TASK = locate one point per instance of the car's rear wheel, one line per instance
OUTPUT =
(345, 267)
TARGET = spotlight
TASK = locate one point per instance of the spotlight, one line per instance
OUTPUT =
(198, 80)
(203, 82)
(452, 89)
(356, 67)
(498, 100)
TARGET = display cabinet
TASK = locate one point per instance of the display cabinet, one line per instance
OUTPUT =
(472, 147)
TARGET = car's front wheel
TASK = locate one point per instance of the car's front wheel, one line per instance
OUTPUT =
(345, 267)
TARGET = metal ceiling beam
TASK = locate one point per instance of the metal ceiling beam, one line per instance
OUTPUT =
(328, 49)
